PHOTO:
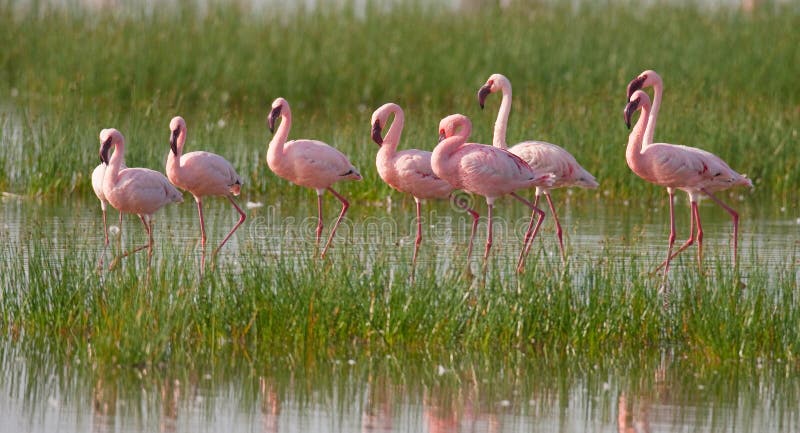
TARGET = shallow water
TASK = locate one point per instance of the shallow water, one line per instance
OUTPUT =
(42, 392)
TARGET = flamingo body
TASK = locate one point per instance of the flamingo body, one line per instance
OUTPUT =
(488, 171)
(540, 155)
(139, 191)
(407, 171)
(689, 169)
(202, 174)
(308, 163)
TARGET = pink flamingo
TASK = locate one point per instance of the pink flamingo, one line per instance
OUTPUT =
(689, 169)
(202, 174)
(483, 170)
(541, 156)
(409, 170)
(308, 163)
(139, 191)
(97, 186)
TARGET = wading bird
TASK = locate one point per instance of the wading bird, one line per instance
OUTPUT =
(541, 156)
(97, 185)
(409, 170)
(483, 170)
(139, 191)
(309, 163)
(202, 174)
(672, 166)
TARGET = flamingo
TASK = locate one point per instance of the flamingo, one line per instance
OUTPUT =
(650, 78)
(139, 191)
(541, 156)
(97, 186)
(202, 174)
(409, 170)
(689, 169)
(484, 170)
(308, 163)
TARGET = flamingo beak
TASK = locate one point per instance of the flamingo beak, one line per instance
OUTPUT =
(173, 141)
(441, 136)
(376, 133)
(104, 150)
(483, 92)
(629, 110)
(635, 84)
(273, 116)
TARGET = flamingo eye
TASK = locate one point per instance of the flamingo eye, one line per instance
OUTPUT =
(441, 132)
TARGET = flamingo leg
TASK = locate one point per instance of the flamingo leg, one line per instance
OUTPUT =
(734, 216)
(488, 234)
(475, 218)
(419, 234)
(319, 216)
(559, 231)
(671, 232)
(149, 245)
(693, 215)
(202, 222)
(242, 217)
(105, 225)
(345, 205)
(531, 235)
(699, 238)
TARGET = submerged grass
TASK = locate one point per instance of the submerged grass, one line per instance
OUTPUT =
(264, 306)
(730, 84)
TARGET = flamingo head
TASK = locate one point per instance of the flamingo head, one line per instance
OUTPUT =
(107, 138)
(376, 132)
(496, 82)
(454, 124)
(647, 78)
(277, 106)
(637, 100)
(176, 125)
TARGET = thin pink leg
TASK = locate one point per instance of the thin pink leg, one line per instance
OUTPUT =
(734, 217)
(319, 217)
(488, 234)
(559, 231)
(202, 222)
(699, 238)
(105, 226)
(529, 235)
(692, 216)
(345, 205)
(419, 233)
(242, 217)
(475, 218)
(672, 234)
(149, 245)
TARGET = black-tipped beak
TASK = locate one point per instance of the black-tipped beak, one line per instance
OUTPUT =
(629, 110)
(104, 150)
(634, 85)
(376, 133)
(483, 92)
(441, 136)
(173, 141)
(273, 116)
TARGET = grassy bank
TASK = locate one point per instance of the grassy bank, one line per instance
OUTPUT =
(730, 85)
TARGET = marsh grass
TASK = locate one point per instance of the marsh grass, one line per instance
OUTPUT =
(730, 84)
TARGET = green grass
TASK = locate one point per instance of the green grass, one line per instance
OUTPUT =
(730, 83)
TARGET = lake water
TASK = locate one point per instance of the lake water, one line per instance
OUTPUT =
(40, 393)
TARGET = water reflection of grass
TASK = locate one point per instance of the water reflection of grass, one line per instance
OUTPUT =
(730, 84)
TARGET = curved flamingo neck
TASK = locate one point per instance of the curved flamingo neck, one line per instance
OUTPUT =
(392, 138)
(450, 145)
(174, 160)
(275, 148)
(115, 163)
(501, 124)
(658, 90)
(635, 139)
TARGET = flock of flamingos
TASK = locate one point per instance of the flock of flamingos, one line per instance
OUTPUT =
(454, 164)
